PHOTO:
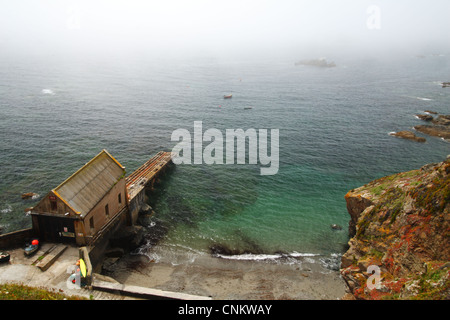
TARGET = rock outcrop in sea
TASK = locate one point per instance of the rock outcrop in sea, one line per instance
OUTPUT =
(321, 63)
(400, 224)
(440, 127)
(408, 135)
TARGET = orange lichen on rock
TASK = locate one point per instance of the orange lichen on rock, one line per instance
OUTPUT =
(401, 224)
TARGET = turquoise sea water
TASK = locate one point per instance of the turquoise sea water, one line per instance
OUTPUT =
(57, 113)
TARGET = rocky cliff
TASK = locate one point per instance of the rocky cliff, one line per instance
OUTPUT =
(401, 224)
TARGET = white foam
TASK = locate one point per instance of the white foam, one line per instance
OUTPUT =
(48, 91)
(260, 257)
(296, 254)
(310, 260)
(6, 210)
(336, 255)
(251, 257)
(424, 99)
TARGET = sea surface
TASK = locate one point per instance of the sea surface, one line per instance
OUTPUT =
(57, 112)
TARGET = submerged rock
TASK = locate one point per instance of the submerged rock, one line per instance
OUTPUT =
(145, 209)
(29, 195)
(399, 224)
(127, 238)
(336, 227)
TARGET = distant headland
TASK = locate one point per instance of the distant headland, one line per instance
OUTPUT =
(321, 63)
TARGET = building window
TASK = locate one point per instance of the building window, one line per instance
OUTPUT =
(91, 223)
(120, 198)
(107, 211)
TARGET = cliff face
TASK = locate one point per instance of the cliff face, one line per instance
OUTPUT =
(401, 224)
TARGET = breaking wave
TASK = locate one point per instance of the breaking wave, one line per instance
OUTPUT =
(8, 209)
(48, 91)
(329, 262)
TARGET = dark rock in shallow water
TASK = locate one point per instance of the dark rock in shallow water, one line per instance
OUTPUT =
(220, 249)
(146, 209)
(128, 238)
(336, 227)
(29, 195)
(145, 220)
(114, 253)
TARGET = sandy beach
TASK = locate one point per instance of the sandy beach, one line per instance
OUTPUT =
(223, 279)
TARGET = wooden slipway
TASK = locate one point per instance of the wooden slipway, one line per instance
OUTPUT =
(51, 256)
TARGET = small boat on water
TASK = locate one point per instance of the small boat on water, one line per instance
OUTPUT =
(31, 248)
(4, 257)
(228, 96)
(247, 108)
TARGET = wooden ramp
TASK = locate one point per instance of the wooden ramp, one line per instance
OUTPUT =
(145, 173)
(50, 256)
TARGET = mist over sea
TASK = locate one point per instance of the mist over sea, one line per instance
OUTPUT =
(56, 113)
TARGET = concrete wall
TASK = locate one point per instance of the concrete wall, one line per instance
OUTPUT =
(135, 205)
(97, 250)
(15, 238)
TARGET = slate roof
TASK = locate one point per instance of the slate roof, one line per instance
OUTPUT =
(86, 187)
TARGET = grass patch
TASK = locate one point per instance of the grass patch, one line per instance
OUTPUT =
(10, 291)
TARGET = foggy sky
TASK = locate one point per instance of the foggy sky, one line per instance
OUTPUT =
(218, 27)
